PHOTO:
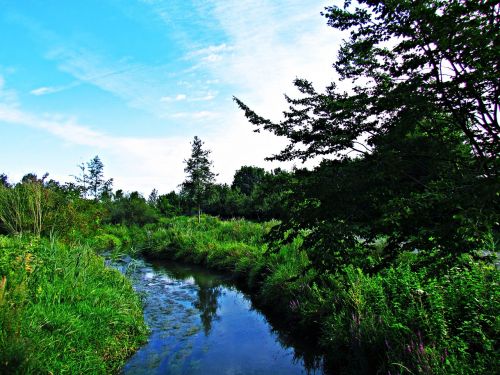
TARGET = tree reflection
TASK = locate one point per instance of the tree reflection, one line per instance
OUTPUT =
(209, 291)
(207, 303)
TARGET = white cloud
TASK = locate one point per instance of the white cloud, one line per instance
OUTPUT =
(45, 90)
(211, 95)
(210, 50)
(178, 98)
(197, 115)
(42, 91)
(274, 44)
(212, 58)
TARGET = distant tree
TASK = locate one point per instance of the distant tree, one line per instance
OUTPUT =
(91, 181)
(131, 209)
(82, 180)
(33, 178)
(4, 180)
(97, 185)
(169, 204)
(199, 175)
(153, 198)
(247, 178)
(119, 194)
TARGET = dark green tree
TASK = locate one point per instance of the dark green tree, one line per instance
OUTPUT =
(199, 175)
(98, 186)
(247, 178)
(4, 181)
(169, 204)
(409, 61)
(416, 139)
(130, 209)
(153, 198)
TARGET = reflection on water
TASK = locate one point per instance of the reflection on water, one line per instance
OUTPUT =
(201, 324)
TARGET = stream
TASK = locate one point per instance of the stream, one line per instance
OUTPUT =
(201, 323)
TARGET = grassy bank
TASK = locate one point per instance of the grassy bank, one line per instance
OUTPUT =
(62, 311)
(403, 320)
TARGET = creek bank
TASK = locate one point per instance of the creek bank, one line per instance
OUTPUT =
(404, 315)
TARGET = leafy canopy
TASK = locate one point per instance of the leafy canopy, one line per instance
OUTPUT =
(415, 139)
(408, 61)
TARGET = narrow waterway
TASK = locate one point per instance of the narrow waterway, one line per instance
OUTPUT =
(202, 324)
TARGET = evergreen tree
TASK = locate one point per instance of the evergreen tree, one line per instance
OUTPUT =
(92, 179)
(199, 175)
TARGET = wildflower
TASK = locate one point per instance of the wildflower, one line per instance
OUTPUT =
(421, 348)
(27, 262)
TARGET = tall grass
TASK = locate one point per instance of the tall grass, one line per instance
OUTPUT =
(23, 208)
(63, 311)
(402, 320)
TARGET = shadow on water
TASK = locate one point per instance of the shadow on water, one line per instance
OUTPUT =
(201, 323)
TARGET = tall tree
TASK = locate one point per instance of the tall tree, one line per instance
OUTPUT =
(199, 175)
(409, 61)
(91, 181)
(422, 121)
(247, 178)
(153, 198)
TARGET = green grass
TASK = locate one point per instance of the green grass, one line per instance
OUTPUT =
(403, 320)
(62, 311)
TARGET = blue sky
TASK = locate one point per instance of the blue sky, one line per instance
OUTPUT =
(133, 81)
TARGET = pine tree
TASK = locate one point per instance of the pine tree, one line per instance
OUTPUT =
(199, 175)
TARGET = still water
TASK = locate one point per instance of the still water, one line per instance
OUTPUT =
(202, 324)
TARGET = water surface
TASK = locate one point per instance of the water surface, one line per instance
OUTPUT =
(202, 324)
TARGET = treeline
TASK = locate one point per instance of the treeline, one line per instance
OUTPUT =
(42, 206)
(254, 194)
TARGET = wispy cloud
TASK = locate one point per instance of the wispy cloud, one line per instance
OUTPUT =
(210, 50)
(262, 46)
(45, 90)
(178, 97)
(210, 95)
(210, 54)
(195, 114)
(139, 168)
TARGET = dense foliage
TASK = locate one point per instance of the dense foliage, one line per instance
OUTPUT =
(414, 144)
